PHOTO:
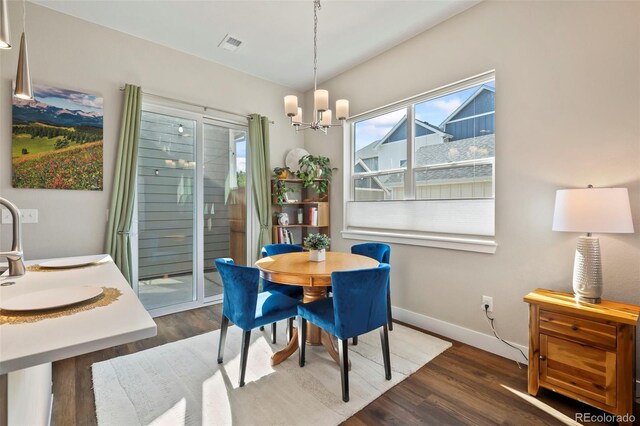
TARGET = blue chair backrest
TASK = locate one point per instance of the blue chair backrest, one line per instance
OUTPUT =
(274, 249)
(240, 295)
(360, 300)
(378, 251)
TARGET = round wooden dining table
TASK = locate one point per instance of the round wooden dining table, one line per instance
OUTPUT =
(314, 277)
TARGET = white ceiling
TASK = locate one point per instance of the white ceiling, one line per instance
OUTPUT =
(277, 36)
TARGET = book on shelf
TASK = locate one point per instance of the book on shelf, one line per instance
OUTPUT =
(285, 236)
(313, 216)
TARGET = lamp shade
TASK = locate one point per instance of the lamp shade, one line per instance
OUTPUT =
(23, 76)
(602, 210)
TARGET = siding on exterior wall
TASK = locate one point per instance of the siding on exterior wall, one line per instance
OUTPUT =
(216, 230)
(165, 195)
(166, 200)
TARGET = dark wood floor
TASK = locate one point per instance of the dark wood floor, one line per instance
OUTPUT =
(463, 386)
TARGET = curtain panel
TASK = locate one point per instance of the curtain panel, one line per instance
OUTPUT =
(261, 175)
(118, 243)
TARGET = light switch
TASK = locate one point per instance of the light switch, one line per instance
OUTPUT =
(26, 216)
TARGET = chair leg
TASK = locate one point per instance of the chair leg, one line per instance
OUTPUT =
(244, 352)
(355, 340)
(343, 350)
(389, 319)
(289, 329)
(384, 339)
(224, 324)
(273, 332)
(302, 339)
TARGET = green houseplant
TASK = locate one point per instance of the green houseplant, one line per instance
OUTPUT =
(280, 187)
(314, 167)
(317, 245)
(281, 172)
(280, 190)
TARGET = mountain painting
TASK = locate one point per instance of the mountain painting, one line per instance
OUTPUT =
(57, 140)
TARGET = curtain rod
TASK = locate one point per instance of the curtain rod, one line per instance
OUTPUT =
(205, 107)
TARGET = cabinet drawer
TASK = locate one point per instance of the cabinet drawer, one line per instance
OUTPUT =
(582, 330)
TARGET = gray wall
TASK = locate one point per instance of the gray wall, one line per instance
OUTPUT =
(567, 115)
(70, 53)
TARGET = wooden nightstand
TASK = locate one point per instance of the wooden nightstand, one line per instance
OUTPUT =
(582, 350)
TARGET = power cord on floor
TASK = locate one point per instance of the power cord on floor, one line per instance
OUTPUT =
(495, 333)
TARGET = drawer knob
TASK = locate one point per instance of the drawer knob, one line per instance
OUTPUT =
(574, 327)
(543, 358)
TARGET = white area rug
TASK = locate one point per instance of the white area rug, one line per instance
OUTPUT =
(181, 383)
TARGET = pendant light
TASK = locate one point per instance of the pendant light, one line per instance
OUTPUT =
(5, 34)
(23, 76)
(322, 115)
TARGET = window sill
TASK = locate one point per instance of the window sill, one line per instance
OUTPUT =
(451, 243)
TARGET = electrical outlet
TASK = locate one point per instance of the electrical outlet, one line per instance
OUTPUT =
(26, 216)
(487, 300)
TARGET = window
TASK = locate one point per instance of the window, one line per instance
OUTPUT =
(426, 167)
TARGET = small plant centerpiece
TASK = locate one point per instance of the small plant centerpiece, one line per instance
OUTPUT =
(317, 245)
(280, 187)
(315, 167)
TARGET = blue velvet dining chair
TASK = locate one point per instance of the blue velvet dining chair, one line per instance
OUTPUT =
(381, 253)
(358, 305)
(289, 290)
(248, 308)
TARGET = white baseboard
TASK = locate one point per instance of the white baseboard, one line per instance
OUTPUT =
(486, 342)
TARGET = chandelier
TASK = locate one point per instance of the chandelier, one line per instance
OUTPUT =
(322, 115)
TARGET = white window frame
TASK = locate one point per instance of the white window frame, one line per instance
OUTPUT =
(410, 221)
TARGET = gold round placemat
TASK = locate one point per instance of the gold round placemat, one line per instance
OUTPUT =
(108, 296)
(38, 268)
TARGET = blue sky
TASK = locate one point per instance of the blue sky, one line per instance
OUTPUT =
(433, 111)
(69, 99)
(241, 156)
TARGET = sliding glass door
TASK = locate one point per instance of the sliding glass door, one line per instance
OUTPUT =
(224, 231)
(191, 199)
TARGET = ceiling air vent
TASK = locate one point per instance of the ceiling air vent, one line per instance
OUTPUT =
(230, 43)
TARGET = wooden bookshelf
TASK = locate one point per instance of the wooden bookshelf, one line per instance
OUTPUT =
(305, 199)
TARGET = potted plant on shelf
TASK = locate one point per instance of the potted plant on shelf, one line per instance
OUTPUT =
(315, 167)
(281, 172)
(280, 190)
(317, 245)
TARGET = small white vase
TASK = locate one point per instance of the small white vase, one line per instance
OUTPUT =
(317, 255)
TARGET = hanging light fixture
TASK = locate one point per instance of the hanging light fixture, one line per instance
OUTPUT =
(23, 76)
(5, 34)
(322, 115)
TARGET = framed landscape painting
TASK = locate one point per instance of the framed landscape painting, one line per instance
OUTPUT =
(57, 140)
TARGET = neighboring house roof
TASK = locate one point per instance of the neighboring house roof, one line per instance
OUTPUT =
(446, 153)
(449, 152)
(371, 149)
(467, 102)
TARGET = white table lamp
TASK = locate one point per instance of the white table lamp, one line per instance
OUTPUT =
(600, 210)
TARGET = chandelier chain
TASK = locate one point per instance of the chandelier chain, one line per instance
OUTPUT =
(316, 6)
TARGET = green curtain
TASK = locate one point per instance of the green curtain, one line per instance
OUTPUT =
(261, 175)
(124, 189)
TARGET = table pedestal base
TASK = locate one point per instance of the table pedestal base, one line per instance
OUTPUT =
(311, 294)
(292, 347)
(315, 335)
